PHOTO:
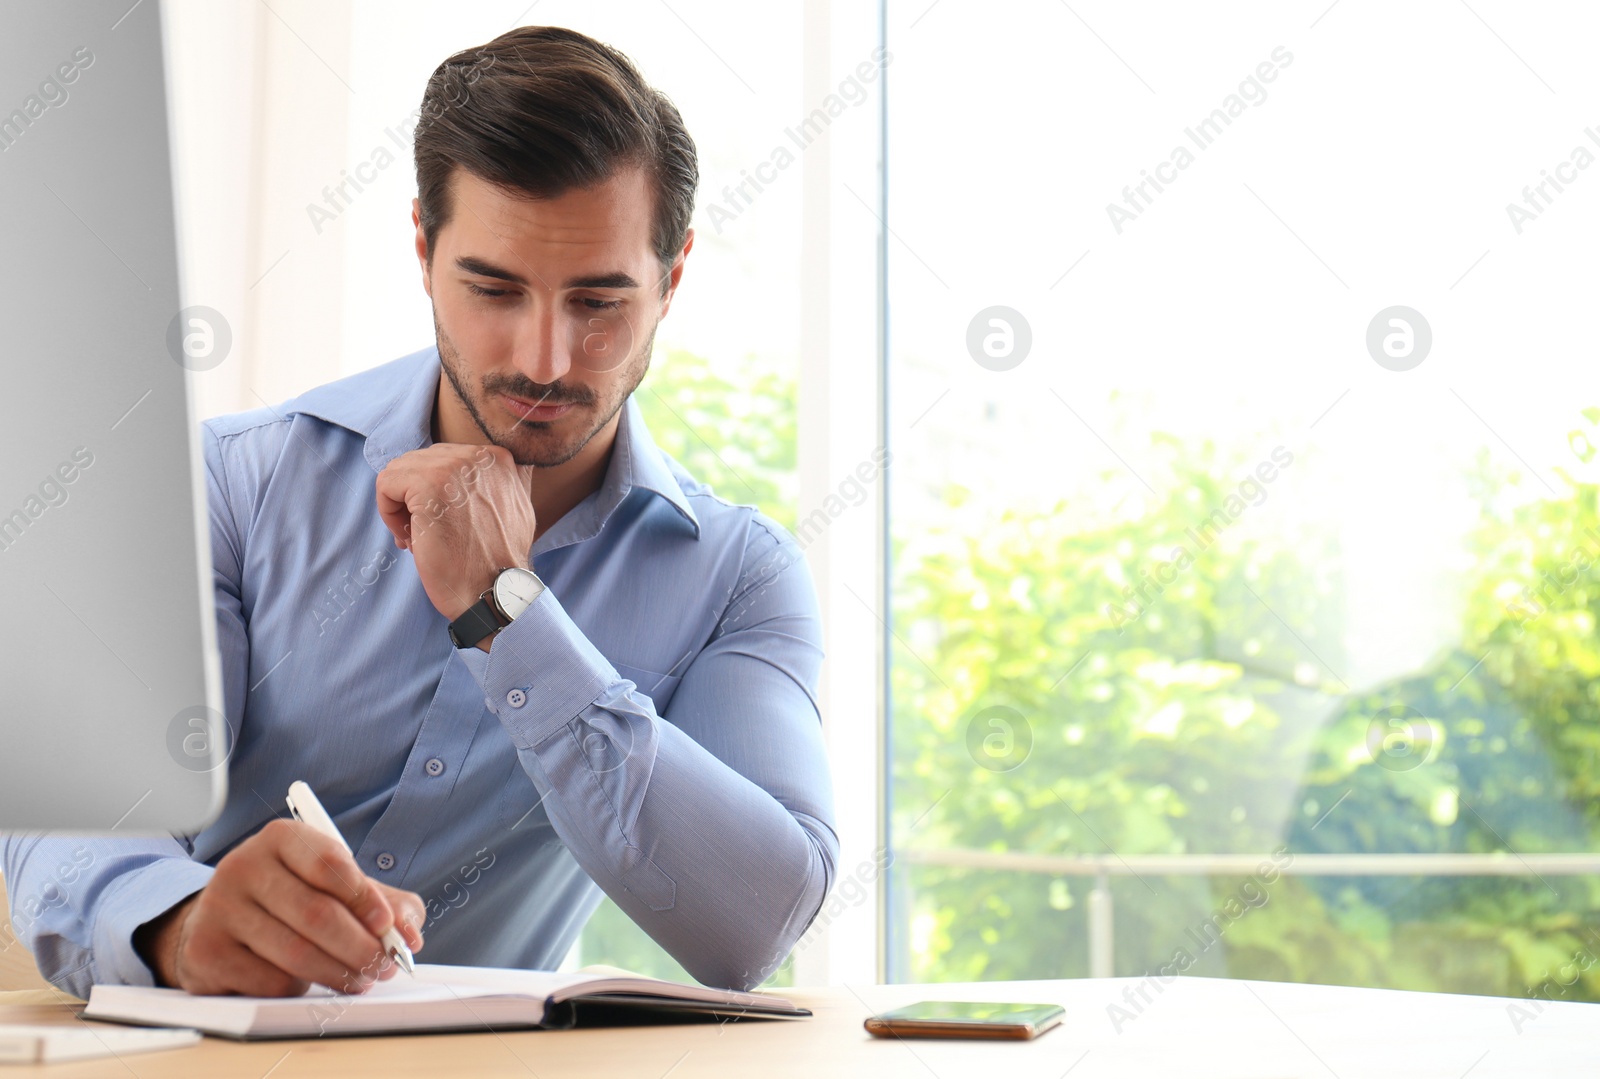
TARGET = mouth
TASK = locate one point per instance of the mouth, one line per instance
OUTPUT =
(525, 410)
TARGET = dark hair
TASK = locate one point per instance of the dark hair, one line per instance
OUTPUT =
(541, 110)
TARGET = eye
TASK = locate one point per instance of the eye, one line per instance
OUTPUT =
(600, 305)
(491, 293)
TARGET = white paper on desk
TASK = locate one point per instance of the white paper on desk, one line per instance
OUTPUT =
(44, 1043)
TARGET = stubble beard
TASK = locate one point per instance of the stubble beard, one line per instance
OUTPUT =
(523, 437)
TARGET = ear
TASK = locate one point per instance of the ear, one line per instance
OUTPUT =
(422, 246)
(676, 273)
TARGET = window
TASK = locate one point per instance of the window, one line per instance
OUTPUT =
(1243, 519)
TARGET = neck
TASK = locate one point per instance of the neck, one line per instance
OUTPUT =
(555, 490)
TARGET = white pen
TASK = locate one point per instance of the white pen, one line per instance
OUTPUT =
(304, 806)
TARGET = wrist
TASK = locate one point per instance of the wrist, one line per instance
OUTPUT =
(478, 592)
(156, 942)
(512, 592)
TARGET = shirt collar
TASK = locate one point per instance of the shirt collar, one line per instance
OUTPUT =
(391, 406)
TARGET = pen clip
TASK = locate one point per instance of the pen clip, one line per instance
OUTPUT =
(294, 810)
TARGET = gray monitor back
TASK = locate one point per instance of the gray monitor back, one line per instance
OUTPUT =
(110, 697)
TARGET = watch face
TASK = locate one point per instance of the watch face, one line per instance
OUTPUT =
(515, 589)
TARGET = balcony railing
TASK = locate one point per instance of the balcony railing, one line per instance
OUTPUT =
(1102, 867)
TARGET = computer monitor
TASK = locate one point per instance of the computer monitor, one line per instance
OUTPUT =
(110, 701)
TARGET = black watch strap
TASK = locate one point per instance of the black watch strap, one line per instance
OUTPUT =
(478, 621)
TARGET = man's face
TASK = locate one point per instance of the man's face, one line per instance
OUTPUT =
(546, 310)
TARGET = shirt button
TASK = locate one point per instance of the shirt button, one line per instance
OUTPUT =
(385, 860)
(435, 766)
(516, 698)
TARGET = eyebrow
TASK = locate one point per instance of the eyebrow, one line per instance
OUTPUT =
(481, 268)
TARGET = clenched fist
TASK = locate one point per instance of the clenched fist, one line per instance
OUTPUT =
(464, 512)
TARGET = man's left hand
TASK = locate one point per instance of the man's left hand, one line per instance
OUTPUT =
(464, 512)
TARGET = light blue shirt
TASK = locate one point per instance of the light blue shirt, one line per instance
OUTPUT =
(649, 724)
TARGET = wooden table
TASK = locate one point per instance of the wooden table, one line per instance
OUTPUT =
(1121, 1027)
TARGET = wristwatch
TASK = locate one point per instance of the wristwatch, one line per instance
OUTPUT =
(513, 591)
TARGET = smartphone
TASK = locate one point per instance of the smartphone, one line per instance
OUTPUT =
(965, 1019)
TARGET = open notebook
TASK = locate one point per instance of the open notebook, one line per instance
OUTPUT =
(439, 998)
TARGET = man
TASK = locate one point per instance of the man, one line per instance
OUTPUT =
(516, 650)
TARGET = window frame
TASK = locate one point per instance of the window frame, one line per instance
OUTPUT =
(842, 422)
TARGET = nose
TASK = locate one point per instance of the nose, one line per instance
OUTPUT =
(543, 352)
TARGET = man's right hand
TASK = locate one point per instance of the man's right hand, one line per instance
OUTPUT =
(285, 908)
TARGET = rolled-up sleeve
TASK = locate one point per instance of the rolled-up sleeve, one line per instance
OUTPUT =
(711, 826)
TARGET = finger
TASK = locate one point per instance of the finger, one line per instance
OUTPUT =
(325, 923)
(410, 913)
(325, 864)
(398, 522)
(265, 932)
(232, 968)
(392, 508)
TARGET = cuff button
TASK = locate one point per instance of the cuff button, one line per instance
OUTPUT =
(516, 698)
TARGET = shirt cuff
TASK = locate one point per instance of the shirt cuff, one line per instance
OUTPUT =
(540, 672)
(139, 896)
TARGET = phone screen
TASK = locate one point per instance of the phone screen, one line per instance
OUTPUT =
(956, 1011)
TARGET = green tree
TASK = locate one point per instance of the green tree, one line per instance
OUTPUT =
(1184, 721)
